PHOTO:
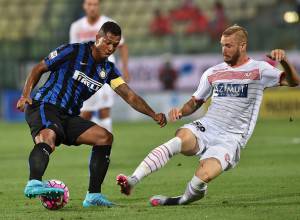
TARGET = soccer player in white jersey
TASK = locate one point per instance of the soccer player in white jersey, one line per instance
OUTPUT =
(84, 30)
(236, 87)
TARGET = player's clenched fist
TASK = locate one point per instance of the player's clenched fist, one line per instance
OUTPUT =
(22, 103)
(277, 54)
(161, 119)
(175, 114)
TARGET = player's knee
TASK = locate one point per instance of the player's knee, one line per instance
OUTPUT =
(47, 136)
(189, 142)
(105, 138)
(110, 138)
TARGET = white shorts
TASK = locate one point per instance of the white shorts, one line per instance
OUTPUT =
(103, 98)
(215, 143)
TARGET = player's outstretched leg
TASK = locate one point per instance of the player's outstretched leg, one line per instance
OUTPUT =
(96, 199)
(195, 190)
(38, 188)
(208, 169)
(155, 160)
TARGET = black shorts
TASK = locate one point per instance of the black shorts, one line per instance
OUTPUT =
(67, 127)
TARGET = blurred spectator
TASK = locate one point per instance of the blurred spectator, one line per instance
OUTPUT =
(198, 24)
(160, 25)
(168, 76)
(186, 11)
(220, 22)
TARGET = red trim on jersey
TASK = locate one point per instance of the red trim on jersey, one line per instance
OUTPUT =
(251, 74)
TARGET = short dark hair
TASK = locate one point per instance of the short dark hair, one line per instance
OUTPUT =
(111, 27)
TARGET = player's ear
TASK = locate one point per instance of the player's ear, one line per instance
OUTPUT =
(243, 46)
(98, 40)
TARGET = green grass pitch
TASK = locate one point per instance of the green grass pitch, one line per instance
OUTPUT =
(264, 185)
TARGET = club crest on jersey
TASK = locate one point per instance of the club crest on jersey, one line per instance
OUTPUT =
(230, 90)
(102, 74)
(227, 158)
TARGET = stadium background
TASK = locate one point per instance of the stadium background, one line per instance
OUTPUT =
(30, 29)
(263, 187)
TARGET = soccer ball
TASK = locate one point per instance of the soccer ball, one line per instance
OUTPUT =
(56, 203)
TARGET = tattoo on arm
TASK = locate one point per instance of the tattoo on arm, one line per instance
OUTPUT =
(191, 106)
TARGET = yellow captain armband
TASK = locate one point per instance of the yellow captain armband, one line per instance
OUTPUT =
(114, 83)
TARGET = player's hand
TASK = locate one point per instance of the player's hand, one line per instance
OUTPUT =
(175, 114)
(277, 55)
(161, 119)
(21, 104)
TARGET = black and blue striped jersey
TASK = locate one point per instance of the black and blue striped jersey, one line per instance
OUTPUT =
(75, 76)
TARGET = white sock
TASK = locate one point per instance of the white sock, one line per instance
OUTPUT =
(105, 123)
(195, 190)
(156, 159)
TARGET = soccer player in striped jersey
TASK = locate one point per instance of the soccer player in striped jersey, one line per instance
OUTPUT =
(77, 71)
(84, 30)
(236, 88)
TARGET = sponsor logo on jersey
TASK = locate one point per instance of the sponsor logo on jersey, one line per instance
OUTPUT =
(84, 79)
(227, 158)
(231, 90)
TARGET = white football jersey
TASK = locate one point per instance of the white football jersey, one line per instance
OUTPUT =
(82, 31)
(236, 95)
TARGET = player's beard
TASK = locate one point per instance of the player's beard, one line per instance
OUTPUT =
(235, 57)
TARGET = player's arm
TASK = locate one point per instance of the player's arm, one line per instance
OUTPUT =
(198, 98)
(123, 49)
(187, 109)
(31, 81)
(290, 77)
(139, 104)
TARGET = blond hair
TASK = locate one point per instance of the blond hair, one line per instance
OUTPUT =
(240, 32)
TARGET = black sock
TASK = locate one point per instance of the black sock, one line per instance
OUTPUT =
(38, 160)
(172, 201)
(99, 163)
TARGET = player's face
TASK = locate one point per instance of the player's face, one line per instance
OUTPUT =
(231, 49)
(106, 44)
(91, 8)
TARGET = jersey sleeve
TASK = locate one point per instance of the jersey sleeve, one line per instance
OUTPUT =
(204, 90)
(270, 75)
(59, 56)
(114, 79)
